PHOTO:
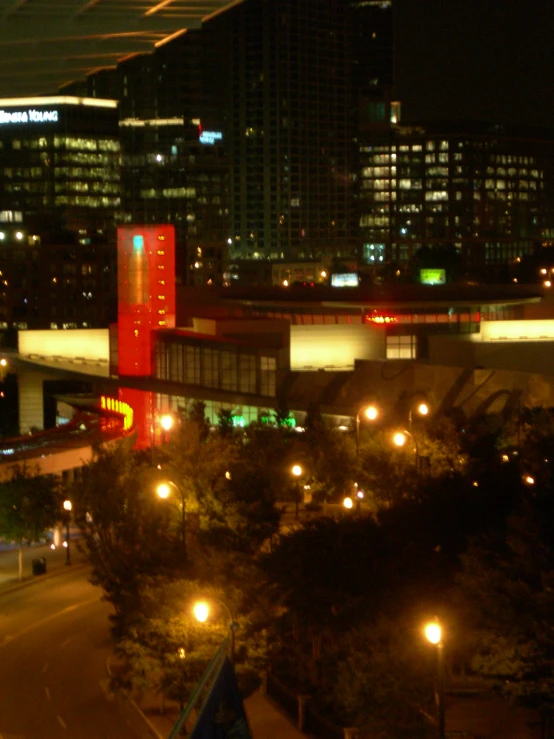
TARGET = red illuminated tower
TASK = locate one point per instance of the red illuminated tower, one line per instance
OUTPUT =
(146, 302)
(146, 292)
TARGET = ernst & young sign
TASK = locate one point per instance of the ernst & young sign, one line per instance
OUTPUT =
(28, 116)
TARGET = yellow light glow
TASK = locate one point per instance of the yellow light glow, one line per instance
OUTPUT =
(166, 422)
(347, 503)
(399, 438)
(90, 344)
(67, 505)
(532, 330)
(201, 611)
(163, 491)
(296, 470)
(58, 100)
(371, 412)
(433, 632)
(423, 409)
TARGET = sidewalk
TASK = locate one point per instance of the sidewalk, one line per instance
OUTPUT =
(55, 563)
(266, 721)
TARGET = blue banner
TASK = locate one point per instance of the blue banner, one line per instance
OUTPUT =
(222, 715)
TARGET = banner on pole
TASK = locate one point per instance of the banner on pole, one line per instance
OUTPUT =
(222, 716)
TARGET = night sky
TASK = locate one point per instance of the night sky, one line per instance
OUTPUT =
(476, 60)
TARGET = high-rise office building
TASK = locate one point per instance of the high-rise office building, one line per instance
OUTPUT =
(290, 129)
(59, 200)
(175, 164)
(60, 162)
(484, 192)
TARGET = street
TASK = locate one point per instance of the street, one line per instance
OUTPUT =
(53, 651)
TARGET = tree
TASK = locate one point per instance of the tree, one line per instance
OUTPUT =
(384, 675)
(197, 415)
(225, 422)
(126, 533)
(29, 507)
(506, 602)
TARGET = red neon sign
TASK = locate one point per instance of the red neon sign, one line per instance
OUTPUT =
(379, 319)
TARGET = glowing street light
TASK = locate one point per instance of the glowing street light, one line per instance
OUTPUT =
(421, 409)
(399, 439)
(297, 471)
(347, 503)
(433, 634)
(201, 612)
(67, 506)
(371, 413)
(163, 491)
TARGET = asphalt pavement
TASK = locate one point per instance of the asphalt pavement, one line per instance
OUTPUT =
(54, 651)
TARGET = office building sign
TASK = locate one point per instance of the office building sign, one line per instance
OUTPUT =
(432, 276)
(346, 279)
(31, 115)
(210, 137)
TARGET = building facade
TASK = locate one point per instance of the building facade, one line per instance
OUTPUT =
(486, 195)
(60, 163)
(290, 130)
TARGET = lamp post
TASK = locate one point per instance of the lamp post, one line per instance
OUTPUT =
(421, 408)
(297, 472)
(400, 439)
(371, 412)
(433, 633)
(67, 506)
(163, 491)
(201, 611)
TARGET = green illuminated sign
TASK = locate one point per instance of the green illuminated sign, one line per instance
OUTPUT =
(432, 276)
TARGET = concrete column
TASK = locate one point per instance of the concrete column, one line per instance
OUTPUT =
(31, 400)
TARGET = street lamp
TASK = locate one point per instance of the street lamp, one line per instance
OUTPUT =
(421, 408)
(399, 439)
(67, 506)
(297, 471)
(433, 634)
(371, 412)
(163, 491)
(201, 611)
(166, 422)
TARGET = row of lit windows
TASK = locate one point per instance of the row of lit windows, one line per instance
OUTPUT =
(68, 142)
(100, 187)
(81, 157)
(88, 201)
(169, 192)
(513, 172)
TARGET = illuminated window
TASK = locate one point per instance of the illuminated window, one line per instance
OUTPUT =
(268, 368)
(401, 347)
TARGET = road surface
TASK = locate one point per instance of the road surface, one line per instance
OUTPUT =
(53, 652)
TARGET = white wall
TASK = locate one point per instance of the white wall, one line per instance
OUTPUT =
(91, 344)
(334, 346)
(538, 330)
